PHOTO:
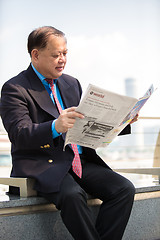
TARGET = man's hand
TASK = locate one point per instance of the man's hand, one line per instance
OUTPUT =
(135, 118)
(67, 119)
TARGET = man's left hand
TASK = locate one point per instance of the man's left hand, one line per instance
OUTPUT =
(135, 119)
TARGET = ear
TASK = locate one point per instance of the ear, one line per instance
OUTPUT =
(35, 54)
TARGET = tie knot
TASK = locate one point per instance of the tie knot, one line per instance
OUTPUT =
(50, 81)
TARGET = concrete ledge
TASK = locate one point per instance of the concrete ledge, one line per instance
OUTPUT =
(41, 220)
(144, 223)
(34, 218)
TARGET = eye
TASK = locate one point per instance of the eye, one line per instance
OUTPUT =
(59, 54)
(55, 55)
(64, 54)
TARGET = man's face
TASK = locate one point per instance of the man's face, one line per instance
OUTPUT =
(51, 60)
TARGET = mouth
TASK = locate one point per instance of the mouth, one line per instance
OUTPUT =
(59, 69)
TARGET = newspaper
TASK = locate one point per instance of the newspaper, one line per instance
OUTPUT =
(106, 115)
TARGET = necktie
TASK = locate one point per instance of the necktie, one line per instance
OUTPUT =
(76, 163)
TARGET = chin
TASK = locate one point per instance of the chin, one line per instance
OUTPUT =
(59, 74)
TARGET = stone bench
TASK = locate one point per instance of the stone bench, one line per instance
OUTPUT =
(30, 217)
(34, 218)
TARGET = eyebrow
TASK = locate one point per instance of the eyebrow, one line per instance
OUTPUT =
(66, 50)
(59, 52)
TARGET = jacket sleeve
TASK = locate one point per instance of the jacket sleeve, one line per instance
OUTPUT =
(126, 130)
(23, 131)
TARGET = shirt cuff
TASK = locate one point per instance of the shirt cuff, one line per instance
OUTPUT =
(54, 132)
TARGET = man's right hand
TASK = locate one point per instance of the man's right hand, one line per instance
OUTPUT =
(67, 119)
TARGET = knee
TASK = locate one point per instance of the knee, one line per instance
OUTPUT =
(73, 197)
(129, 189)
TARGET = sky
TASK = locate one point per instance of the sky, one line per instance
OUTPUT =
(108, 41)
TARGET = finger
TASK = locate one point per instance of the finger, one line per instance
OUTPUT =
(73, 114)
(76, 114)
(136, 117)
(71, 109)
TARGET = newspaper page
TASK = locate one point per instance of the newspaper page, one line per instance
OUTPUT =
(106, 115)
(139, 104)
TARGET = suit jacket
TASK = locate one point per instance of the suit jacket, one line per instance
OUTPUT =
(27, 113)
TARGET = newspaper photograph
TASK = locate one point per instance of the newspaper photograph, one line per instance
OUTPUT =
(106, 115)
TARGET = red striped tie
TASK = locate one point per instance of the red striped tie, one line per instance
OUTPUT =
(76, 163)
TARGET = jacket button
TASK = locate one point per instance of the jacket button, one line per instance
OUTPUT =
(50, 160)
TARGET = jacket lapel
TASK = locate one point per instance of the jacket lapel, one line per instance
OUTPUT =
(67, 93)
(40, 94)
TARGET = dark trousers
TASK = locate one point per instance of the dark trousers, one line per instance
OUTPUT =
(116, 193)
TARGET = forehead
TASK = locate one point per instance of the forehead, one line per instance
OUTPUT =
(56, 43)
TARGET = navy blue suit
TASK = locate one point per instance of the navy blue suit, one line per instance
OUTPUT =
(27, 113)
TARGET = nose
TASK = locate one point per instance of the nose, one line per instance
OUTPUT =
(62, 57)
